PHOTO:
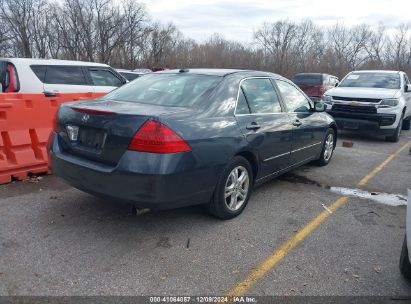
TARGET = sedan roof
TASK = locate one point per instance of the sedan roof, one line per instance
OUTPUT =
(218, 72)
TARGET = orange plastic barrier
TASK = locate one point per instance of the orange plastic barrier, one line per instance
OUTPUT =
(26, 121)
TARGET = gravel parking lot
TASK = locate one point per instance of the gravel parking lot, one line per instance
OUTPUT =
(56, 240)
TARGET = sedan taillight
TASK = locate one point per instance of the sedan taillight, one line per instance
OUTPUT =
(155, 137)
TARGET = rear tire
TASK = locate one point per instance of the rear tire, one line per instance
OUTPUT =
(406, 123)
(233, 189)
(405, 265)
(328, 148)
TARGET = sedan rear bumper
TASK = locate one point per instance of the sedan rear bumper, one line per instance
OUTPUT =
(172, 180)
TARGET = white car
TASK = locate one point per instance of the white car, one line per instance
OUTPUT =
(372, 101)
(405, 265)
(50, 76)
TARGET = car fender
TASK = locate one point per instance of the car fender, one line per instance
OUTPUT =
(333, 125)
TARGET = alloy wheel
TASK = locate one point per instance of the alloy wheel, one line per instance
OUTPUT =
(236, 188)
(329, 147)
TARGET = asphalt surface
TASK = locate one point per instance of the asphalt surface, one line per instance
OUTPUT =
(56, 240)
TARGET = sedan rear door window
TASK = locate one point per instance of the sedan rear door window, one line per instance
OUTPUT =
(292, 97)
(242, 105)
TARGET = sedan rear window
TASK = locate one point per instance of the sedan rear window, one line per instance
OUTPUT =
(372, 80)
(175, 90)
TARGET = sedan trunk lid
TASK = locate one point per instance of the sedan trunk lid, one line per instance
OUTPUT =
(102, 130)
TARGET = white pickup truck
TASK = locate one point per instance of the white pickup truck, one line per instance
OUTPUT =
(377, 102)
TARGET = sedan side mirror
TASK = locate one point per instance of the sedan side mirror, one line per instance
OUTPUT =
(319, 106)
(336, 84)
(408, 88)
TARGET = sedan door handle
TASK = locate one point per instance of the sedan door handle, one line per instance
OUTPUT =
(297, 123)
(253, 126)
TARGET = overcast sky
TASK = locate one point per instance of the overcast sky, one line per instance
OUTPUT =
(237, 19)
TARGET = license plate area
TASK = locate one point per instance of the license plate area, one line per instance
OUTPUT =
(91, 138)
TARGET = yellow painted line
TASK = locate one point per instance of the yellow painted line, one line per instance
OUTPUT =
(369, 176)
(283, 250)
(271, 261)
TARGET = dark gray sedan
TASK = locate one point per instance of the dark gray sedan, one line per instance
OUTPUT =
(188, 137)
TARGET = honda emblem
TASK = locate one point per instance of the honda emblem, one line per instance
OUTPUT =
(85, 118)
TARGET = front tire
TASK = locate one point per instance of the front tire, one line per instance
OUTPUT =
(328, 148)
(233, 189)
(396, 136)
(405, 266)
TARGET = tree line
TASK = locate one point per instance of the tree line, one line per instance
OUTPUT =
(123, 35)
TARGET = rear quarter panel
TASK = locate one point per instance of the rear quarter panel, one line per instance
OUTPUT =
(214, 141)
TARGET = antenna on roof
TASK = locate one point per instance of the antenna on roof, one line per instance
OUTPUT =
(184, 70)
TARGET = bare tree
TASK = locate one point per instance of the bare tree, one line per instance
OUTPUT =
(361, 34)
(400, 46)
(376, 46)
(309, 46)
(162, 40)
(109, 28)
(121, 33)
(135, 33)
(73, 26)
(4, 38)
(41, 16)
(277, 39)
(17, 17)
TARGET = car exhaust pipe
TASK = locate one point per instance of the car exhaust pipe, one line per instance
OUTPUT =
(136, 211)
